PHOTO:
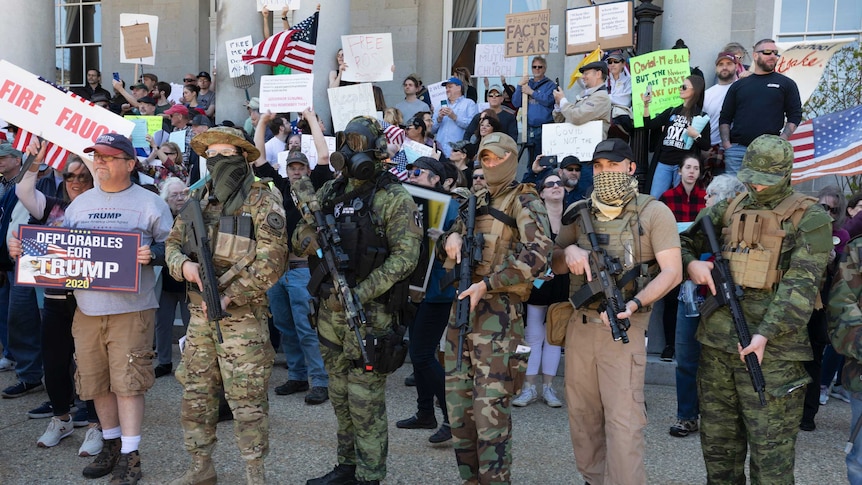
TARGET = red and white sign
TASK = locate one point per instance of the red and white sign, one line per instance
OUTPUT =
(59, 117)
(805, 61)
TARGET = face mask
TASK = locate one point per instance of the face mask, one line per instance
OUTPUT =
(614, 188)
(229, 173)
(499, 177)
(771, 194)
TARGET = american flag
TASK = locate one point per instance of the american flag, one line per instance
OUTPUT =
(293, 48)
(42, 249)
(828, 145)
(55, 156)
(394, 133)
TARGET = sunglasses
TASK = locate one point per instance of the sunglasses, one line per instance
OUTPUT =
(538, 67)
(769, 52)
(417, 172)
(683, 88)
(614, 61)
(478, 177)
(573, 168)
(108, 158)
(227, 152)
(80, 177)
(168, 153)
(495, 95)
(189, 80)
(553, 183)
(830, 209)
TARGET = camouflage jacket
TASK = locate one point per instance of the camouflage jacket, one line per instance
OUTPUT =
(401, 224)
(533, 229)
(251, 282)
(845, 315)
(781, 315)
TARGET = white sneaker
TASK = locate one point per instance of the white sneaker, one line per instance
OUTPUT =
(57, 430)
(550, 396)
(838, 392)
(6, 364)
(92, 444)
(528, 396)
(824, 395)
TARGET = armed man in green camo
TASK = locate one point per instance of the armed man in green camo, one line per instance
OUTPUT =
(778, 243)
(380, 230)
(245, 219)
(517, 249)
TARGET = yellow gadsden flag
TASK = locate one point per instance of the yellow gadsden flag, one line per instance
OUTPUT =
(593, 56)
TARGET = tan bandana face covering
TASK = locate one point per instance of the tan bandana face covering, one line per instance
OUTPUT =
(611, 192)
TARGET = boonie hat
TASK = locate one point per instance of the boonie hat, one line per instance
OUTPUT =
(226, 135)
(767, 161)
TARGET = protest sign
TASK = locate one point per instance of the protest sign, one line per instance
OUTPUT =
(235, 49)
(135, 42)
(153, 123)
(437, 93)
(179, 137)
(307, 147)
(554, 39)
(139, 134)
(608, 25)
(665, 71)
(805, 61)
(527, 34)
(433, 207)
(414, 150)
(57, 116)
(368, 57)
(286, 94)
(348, 102)
(277, 5)
(55, 257)
(491, 61)
(564, 139)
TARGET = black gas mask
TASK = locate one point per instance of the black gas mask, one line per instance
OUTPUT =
(359, 146)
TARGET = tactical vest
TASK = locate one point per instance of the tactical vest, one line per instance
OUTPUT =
(620, 238)
(501, 238)
(753, 240)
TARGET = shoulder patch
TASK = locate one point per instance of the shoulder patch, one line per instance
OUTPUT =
(275, 221)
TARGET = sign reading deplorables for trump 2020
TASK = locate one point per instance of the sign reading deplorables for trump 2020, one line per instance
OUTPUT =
(76, 259)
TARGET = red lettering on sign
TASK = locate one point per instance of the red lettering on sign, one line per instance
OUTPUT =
(21, 97)
(77, 124)
(784, 63)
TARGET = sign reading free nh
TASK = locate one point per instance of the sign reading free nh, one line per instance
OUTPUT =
(528, 34)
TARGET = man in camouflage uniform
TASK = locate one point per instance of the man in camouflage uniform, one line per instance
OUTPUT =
(245, 220)
(605, 378)
(517, 249)
(777, 306)
(381, 232)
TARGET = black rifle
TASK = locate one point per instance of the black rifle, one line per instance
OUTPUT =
(334, 259)
(471, 253)
(199, 243)
(604, 271)
(728, 293)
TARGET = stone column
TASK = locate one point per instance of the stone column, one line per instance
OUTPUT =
(24, 44)
(704, 26)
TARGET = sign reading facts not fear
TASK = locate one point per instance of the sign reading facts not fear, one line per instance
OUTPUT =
(54, 257)
(528, 33)
(60, 117)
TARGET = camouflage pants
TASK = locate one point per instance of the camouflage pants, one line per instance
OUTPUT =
(243, 363)
(358, 397)
(478, 396)
(732, 418)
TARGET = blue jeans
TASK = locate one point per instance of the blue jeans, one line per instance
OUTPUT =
(733, 158)
(25, 331)
(832, 362)
(425, 332)
(289, 302)
(687, 352)
(854, 458)
(665, 177)
(4, 315)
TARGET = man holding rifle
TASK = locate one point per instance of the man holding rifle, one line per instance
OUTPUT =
(623, 251)
(777, 243)
(514, 249)
(362, 233)
(229, 245)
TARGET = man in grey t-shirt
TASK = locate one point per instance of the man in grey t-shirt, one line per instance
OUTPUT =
(411, 104)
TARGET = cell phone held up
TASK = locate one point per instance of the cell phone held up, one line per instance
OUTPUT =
(444, 103)
(116, 76)
(548, 161)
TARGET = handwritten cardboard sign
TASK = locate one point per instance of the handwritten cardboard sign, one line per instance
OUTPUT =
(277, 5)
(55, 257)
(286, 94)
(608, 25)
(307, 147)
(527, 34)
(138, 34)
(368, 56)
(56, 116)
(664, 71)
(805, 61)
(564, 139)
(234, 49)
(491, 61)
(348, 102)
(437, 93)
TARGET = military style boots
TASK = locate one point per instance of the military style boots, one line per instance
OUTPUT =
(200, 472)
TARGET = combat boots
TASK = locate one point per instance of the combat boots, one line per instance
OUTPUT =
(254, 472)
(200, 472)
(340, 475)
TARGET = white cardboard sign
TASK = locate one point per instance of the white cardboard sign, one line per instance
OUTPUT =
(368, 57)
(286, 94)
(235, 49)
(565, 139)
(347, 102)
(491, 61)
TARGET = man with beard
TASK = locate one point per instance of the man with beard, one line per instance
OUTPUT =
(245, 220)
(713, 98)
(604, 378)
(791, 235)
(757, 105)
(381, 232)
(517, 248)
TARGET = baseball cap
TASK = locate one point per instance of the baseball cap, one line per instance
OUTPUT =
(499, 144)
(767, 161)
(453, 80)
(201, 120)
(205, 74)
(613, 149)
(496, 87)
(99, 98)
(253, 103)
(112, 144)
(428, 163)
(140, 86)
(177, 108)
(7, 149)
(598, 65)
(569, 160)
(296, 156)
(616, 55)
(725, 55)
(148, 100)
